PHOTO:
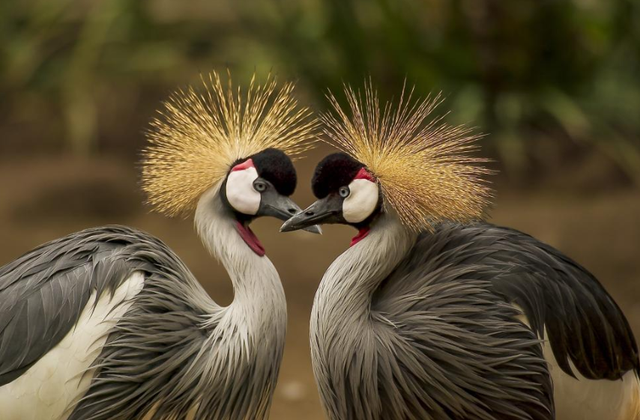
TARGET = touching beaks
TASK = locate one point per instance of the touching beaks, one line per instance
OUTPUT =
(327, 210)
(281, 207)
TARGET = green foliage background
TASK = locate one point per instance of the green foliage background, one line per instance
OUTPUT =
(553, 82)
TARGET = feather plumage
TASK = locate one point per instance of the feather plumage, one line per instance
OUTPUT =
(199, 135)
(173, 352)
(425, 169)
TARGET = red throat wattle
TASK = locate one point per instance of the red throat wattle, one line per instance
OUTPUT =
(362, 233)
(250, 238)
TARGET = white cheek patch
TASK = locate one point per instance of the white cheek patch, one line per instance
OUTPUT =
(240, 192)
(361, 202)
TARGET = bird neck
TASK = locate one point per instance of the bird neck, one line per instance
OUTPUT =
(248, 335)
(351, 280)
(259, 298)
(341, 314)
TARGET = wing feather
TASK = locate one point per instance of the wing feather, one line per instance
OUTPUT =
(450, 306)
(584, 324)
(43, 293)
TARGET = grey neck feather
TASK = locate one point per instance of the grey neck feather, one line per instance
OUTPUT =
(350, 281)
(256, 283)
(176, 351)
(341, 312)
(250, 332)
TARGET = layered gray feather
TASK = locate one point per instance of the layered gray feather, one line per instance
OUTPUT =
(439, 337)
(158, 358)
(43, 293)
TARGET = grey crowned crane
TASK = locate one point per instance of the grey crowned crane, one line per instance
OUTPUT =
(108, 323)
(433, 313)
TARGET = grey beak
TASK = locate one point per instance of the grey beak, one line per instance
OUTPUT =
(326, 210)
(314, 229)
(294, 223)
(283, 208)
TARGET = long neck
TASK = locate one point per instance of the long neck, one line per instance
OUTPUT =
(248, 335)
(256, 283)
(341, 314)
(348, 285)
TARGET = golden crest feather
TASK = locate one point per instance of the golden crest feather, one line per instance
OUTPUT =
(199, 135)
(424, 168)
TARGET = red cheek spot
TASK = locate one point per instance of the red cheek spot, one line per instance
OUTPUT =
(362, 233)
(244, 165)
(364, 174)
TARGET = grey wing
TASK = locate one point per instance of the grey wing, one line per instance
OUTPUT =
(43, 293)
(458, 345)
(148, 358)
(146, 368)
(583, 322)
(464, 276)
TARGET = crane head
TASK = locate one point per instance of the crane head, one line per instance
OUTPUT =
(228, 144)
(416, 165)
(260, 186)
(201, 136)
(347, 192)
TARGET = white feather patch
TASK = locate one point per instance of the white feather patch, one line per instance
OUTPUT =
(580, 398)
(588, 399)
(361, 202)
(56, 381)
(240, 192)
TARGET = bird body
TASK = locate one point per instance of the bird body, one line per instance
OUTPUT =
(109, 323)
(57, 380)
(166, 337)
(434, 314)
(429, 325)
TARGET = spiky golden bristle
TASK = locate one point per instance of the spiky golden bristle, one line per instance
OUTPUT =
(199, 135)
(425, 169)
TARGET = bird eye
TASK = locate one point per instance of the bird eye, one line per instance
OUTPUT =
(344, 192)
(259, 186)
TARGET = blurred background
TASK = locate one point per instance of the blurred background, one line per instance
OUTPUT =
(554, 83)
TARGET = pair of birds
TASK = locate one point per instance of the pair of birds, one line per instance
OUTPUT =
(429, 314)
